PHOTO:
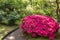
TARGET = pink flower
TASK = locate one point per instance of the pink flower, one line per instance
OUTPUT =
(40, 25)
(33, 35)
(29, 31)
(51, 36)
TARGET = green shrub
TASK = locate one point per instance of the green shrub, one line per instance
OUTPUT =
(14, 10)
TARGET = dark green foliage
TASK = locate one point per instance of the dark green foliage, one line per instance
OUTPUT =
(1, 15)
(8, 12)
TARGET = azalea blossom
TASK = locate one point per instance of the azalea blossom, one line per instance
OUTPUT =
(40, 25)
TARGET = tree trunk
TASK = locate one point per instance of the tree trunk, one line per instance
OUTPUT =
(57, 10)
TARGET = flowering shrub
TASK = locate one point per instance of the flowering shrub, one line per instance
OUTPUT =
(39, 25)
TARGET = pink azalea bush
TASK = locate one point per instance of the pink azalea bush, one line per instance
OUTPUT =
(40, 25)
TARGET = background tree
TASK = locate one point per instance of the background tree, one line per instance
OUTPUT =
(57, 11)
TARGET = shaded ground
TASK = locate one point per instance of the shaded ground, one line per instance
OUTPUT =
(5, 29)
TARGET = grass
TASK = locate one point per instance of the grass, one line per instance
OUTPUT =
(5, 29)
